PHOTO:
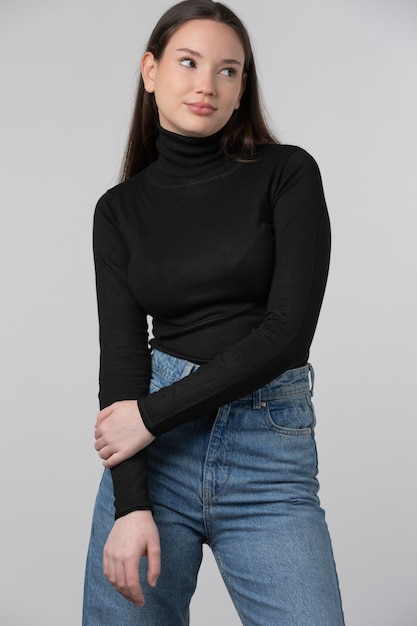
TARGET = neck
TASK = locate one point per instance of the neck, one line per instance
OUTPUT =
(188, 156)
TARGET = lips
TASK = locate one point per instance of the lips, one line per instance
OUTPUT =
(201, 108)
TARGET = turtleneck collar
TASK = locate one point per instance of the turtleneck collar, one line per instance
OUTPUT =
(188, 156)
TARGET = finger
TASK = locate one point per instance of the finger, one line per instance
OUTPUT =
(154, 562)
(120, 579)
(104, 446)
(98, 431)
(99, 444)
(105, 453)
(133, 588)
(110, 459)
(115, 572)
(108, 410)
(109, 570)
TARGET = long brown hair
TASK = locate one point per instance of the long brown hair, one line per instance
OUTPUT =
(245, 130)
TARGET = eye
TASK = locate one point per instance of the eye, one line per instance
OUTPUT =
(228, 71)
(188, 63)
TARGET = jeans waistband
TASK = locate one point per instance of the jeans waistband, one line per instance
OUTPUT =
(293, 382)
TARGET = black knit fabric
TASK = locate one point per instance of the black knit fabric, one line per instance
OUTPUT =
(230, 260)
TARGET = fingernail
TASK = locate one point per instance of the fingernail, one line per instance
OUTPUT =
(153, 582)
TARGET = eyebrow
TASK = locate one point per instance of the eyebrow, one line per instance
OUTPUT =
(199, 55)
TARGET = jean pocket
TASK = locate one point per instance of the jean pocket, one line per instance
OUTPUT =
(291, 416)
(157, 382)
(153, 387)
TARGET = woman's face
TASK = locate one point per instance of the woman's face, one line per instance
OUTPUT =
(199, 79)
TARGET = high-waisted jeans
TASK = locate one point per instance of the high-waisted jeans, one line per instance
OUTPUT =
(243, 480)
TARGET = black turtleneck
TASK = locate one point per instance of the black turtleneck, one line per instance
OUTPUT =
(229, 259)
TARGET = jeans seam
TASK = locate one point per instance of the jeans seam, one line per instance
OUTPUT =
(225, 580)
(215, 490)
(206, 490)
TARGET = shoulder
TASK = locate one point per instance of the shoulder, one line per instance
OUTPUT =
(111, 215)
(287, 155)
(112, 203)
(291, 165)
(123, 190)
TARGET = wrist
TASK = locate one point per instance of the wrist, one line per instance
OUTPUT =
(140, 514)
(144, 418)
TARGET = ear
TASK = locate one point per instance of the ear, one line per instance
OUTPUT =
(242, 89)
(148, 70)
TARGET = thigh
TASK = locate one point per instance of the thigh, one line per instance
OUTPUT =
(269, 535)
(280, 572)
(168, 603)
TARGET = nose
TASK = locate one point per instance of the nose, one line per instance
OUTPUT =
(206, 84)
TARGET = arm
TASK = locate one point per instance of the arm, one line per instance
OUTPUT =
(124, 353)
(124, 374)
(302, 241)
(282, 339)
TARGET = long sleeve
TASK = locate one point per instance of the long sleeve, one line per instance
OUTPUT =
(230, 261)
(124, 351)
(302, 249)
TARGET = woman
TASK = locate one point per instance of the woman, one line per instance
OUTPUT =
(221, 235)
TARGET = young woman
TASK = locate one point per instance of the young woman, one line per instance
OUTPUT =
(221, 235)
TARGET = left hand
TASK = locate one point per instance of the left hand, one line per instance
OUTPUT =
(120, 432)
(132, 536)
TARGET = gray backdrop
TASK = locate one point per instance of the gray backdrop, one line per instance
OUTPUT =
(339, 79)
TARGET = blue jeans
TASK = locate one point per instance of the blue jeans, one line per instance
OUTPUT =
(242, 480)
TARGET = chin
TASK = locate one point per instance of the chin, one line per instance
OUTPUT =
(201, 130)
(194, 128)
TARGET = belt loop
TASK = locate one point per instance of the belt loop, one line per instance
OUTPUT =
(189, 368)
(311, 371)
(256, 399)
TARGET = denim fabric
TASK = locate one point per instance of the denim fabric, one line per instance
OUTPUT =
(243, 480)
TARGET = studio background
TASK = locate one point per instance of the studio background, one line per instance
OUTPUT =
(339, 79)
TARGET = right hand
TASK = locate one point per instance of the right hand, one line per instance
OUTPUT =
(132, 536)
(120, 432)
